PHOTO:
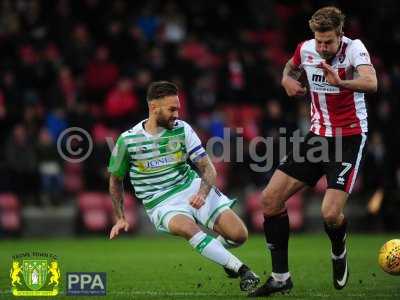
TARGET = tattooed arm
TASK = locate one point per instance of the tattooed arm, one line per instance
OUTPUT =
(208, 177)
(291, 70)
(289, 80)
(116, 189)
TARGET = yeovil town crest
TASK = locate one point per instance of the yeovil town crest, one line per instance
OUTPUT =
(35, 274)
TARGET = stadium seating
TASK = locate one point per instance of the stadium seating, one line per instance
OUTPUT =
(255, 215)
(222, 169)
(96, 211)
(254, 210)
(73, 181)
(93, 211)
(61, 70)
(10, 213)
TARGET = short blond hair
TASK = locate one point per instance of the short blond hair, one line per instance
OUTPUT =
(326, 19)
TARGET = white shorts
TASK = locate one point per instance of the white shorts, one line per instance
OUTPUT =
(215, 203)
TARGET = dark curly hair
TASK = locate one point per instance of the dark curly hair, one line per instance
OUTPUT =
(161, 89)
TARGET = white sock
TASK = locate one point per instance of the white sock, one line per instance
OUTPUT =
(211, 248)
(228, 244)
(280, 276)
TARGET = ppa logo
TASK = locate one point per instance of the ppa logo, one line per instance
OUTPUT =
(86, 283)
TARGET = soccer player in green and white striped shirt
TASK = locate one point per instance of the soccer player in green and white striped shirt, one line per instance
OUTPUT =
(154, 153)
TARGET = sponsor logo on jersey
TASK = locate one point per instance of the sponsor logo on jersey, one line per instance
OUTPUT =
(160, 162)
(318, 83)
(318, 79)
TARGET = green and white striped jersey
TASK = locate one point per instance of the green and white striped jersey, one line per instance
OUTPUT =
(157, 164)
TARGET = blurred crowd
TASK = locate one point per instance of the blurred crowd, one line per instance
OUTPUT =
(88, 64)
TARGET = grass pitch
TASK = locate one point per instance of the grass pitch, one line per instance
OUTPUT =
(165, 267)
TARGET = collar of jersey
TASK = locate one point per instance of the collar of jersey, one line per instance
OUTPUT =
(152, 135)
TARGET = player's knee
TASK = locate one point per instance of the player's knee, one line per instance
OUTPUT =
(184, 229)
(241, 235)
(331, 216)
(268, 198)
(271, 202)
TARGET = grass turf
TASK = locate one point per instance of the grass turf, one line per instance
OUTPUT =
(166, 267)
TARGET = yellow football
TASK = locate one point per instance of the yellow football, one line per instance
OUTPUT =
(389, 257)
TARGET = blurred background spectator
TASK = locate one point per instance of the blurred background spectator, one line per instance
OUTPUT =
(88, 63)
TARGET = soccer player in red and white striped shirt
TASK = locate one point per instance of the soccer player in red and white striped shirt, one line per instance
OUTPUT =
(339, 73)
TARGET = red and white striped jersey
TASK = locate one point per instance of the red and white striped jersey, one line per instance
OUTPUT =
(334, 110)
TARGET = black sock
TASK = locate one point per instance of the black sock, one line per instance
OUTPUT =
(276, 229)
(336, 235)
(243, 269)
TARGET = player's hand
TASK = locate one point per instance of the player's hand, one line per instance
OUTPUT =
(197, 201)
(293, 87)
(330, 74)
(121, 224)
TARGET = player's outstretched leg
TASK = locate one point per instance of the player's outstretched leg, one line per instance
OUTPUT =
(233, 233)
(212, 249)
(276, 230)
(335, 227)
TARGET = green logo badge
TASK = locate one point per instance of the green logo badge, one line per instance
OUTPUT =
(35, 274)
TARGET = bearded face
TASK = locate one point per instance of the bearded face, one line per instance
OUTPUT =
(166, 111)
(165, 119)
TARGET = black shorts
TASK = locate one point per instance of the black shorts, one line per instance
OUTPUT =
(337, 158)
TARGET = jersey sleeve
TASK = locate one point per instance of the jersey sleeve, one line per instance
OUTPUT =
(193, 144)
(119, 160)
(358, 54)
(296, 58)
